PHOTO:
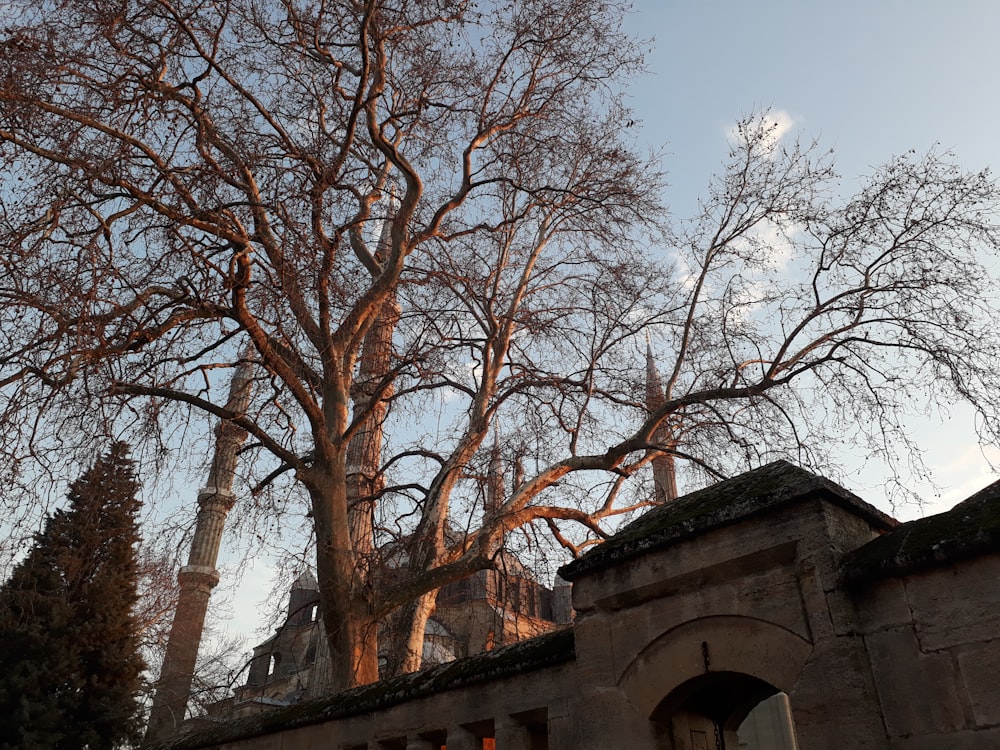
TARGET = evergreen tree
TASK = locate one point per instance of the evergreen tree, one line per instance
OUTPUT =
(69, 665)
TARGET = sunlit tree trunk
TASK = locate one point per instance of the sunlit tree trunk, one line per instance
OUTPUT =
(370, 393)
(407, 645)
(345, 594)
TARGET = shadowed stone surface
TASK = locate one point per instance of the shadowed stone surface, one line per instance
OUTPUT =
(697, 611)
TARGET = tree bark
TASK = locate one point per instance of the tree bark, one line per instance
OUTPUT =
(407, 648)
(345, 592)
(370, 393)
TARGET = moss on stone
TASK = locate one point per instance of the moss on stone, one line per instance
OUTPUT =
(970, 529)
(774, 485)
(542, 651)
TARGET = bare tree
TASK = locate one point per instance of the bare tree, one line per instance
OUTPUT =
(793, 320)
(187, 177)
(811, 319)
(184, 179)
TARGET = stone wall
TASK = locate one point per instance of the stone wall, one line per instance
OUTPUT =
(927, 601)
(777, 588)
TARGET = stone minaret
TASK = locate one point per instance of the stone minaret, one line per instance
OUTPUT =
(364, 452)
(199, 576)
(664, 476)
(495, 495)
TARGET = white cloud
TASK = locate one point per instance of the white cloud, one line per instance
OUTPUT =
(685, 275)
(764, 131)
(960, 475)
(776, 244)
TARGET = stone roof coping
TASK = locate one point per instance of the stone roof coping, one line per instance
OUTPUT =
(764, 489)
(542, 651)
(970, 529)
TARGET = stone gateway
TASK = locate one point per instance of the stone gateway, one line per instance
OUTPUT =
(775, 610)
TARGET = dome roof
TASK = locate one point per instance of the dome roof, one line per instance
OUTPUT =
(306, 580)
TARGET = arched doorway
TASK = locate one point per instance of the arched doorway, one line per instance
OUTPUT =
(716, 682)
(724, 711)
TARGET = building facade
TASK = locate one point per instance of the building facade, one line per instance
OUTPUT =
(487, 610)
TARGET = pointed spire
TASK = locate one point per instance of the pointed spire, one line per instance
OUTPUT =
(306, 581)
(385, 234)
(654, 388)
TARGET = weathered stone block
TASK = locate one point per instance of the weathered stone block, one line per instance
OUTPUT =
(957, 604)
(988, 739)
(316, 737)
(881, 605)
(918, 692)
(980, 670)
(848, 734)
(842, 614)
(773, 595)
(813, 592)
(595, 653)
(835, 700)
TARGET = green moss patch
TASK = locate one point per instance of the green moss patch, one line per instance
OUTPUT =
(970, 529)
(777, 484)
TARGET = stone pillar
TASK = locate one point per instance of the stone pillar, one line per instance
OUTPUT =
(460, 738)
(511, 734)
(214, 504)
(199, 576)
(664, 473)
(196, 579)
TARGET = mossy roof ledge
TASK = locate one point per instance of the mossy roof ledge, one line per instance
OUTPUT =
(539, 652)
(970, 529)
(766, 488)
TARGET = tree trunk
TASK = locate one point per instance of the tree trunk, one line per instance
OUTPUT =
(345, 595)
(364, 452)
(408, 640)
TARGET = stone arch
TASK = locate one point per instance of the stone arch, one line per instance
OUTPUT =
(746, 656)
(709, 711)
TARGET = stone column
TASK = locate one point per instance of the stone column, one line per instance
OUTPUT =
(460, 738)
(174, 684)
(511, 734)
(199, 576)
(664, 473)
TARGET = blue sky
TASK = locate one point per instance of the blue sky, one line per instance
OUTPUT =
(869, 79)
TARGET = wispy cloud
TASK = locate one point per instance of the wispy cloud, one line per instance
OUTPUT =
(765, 130)
(775, 244)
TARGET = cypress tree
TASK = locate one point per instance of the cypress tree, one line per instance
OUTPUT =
(69, 661)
